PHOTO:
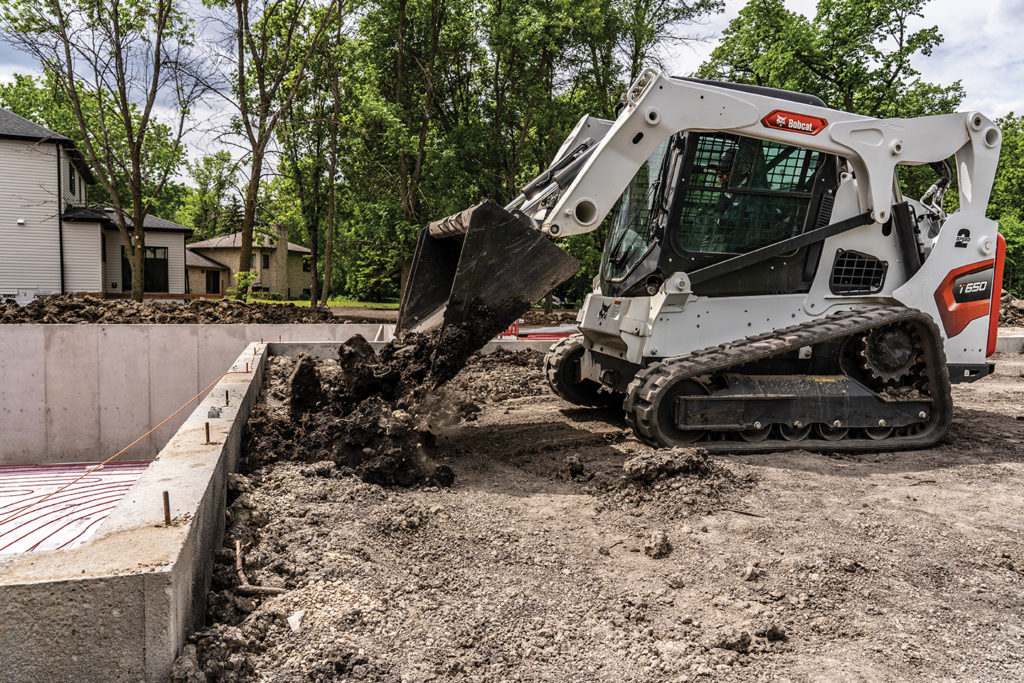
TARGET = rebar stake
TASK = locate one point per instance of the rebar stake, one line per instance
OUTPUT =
(167, 509)
(207, 432)
(227, 398)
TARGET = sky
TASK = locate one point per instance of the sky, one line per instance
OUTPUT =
(982, 48)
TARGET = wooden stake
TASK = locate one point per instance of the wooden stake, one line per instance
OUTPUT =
(207, 432)
(167, 509)
(247, 588)
(227, 398)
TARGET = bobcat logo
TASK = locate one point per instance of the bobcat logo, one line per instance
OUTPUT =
(781, 119)
(603, 313)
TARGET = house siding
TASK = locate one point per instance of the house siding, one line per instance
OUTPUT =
(83, 258)
(175, 243)
(29, 253)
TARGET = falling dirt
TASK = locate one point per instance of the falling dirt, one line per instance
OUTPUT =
(68, 309)
(373, 413)
(532, 565)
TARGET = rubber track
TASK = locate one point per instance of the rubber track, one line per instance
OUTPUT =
(551, 361)
(642, 391)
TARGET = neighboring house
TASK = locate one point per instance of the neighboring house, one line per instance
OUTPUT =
(49, 241)
(206, 276)
(282, 267)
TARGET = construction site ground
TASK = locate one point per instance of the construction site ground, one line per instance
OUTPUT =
(544, 561)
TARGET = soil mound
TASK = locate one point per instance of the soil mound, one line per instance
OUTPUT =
(542, 319)
(68, 309)
(1011, 311)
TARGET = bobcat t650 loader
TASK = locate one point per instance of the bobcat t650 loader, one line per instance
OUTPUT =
(764, 283)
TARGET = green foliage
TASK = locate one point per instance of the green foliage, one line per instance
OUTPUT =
(855, 55)
(206, 203)
(1007, 202)
(244, 280)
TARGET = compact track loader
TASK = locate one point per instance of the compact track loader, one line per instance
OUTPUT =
(764, 284)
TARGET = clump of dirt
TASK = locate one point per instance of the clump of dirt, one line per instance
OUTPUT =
(648, 467)
(371, 413)
(1011, 311)
(68, 309)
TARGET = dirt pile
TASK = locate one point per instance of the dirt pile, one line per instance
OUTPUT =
(534, 318)
(1011, 311)
(67, 309)
(372, 413)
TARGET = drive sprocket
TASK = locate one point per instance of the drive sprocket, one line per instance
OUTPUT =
(889, 353)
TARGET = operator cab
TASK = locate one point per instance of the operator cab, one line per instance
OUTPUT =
(704, 197)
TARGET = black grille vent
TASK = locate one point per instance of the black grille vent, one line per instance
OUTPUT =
(857, 273)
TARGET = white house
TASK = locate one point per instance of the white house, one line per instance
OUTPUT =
(50, 241)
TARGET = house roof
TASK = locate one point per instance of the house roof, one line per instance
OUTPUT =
(194, 260)
(234, 241)
(14, 127)
(106, 215)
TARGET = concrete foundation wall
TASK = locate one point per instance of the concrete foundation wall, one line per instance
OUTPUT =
(83, 392)
(119, 607)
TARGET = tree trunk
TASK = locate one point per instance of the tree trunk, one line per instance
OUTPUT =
(137, 262)
(549, 302)
(249, 220)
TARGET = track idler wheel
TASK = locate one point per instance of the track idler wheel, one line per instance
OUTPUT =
(651, 407)
(562, 370)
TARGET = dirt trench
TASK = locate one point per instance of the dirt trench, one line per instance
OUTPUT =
(565, 550)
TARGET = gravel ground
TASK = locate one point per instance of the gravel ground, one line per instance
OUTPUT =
(559, 553)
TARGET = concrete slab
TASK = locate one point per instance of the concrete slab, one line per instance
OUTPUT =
(52, 507)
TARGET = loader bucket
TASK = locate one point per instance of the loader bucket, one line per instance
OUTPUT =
(476, 272)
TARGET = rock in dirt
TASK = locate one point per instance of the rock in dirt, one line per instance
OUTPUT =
(733, 639)
(295, 620)
(649, 467)
(68, 309)
(658, 545)
(750, 573)
(186, 667)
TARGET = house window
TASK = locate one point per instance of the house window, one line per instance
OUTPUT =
(266, 261)
(213, 282)
(252, 263)
(306, 265)
(155, 267)
(72, 181)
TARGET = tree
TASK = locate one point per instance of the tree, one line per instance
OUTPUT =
(205, 207)
(855, 55)
(268, 44)
(115, 62)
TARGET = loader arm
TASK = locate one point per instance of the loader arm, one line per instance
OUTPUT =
(658, 106)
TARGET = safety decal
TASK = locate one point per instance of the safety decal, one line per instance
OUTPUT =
(794, 123)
